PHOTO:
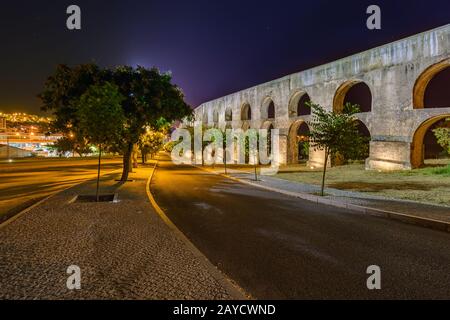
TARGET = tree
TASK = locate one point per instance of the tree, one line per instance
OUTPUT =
(335, 133)
(149, 96)
(100, 117)
(443, 136)
(72, 144)
(150, 143)
(64, 87)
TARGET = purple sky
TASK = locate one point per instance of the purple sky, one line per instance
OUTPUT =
(213, 48)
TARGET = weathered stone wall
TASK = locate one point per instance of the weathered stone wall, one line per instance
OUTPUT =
(390, 71)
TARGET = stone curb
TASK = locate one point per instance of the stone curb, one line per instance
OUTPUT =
(236, 292)
(423, 222)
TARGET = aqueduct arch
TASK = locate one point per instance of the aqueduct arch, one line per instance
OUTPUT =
(417, 145)
(216, 116)
(298, 142)
(365, 133)
(228, 114)
(297, 104)
(268, 108)
(429, 89)
(246, 112)
(354, 92)
(398, 86)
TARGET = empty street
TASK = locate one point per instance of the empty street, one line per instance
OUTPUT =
(26, 181)
(280, 247)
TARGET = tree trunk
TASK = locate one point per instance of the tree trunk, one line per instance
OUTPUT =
(126, 162)
(143, 158)
(98, 173)
(322, 192)
(256, 166)
(225, 162)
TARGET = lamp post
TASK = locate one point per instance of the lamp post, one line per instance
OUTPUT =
(256, 165)
(7, 145)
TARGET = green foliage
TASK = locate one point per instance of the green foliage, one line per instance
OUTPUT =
(100, 114)
(430, 171)
(305, 149)
(150, 143)
(442, 171)
(168, 147)
(64, 87)
(71, 144)
(150, 97)
(443, 136)
(335, 133)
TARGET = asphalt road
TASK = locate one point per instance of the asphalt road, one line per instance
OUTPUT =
(280, 247)
(23, 182)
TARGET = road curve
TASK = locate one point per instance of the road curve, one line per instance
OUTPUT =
(280, 247)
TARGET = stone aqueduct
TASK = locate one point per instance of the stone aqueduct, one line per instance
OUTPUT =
(400, 87)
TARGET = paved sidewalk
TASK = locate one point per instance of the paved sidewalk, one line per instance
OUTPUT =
(425, 211)
(124, 250)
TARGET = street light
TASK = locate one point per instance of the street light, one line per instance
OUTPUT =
(7, 146)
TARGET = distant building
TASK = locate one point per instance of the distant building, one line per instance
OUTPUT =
(2, 124)
(9, 152)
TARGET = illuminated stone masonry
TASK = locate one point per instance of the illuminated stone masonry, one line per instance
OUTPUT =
(398, 86)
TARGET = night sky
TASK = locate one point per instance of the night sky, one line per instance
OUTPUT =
(212, 47)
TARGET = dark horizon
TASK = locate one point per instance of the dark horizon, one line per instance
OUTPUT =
(213, 49)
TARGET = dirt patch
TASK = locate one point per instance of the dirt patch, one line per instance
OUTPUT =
(377, 187)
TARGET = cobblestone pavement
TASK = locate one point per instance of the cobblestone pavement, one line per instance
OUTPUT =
(124, 250)
(429, 211)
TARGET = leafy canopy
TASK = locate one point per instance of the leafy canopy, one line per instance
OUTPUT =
(336, 133)
(443, 136)
(100, 114)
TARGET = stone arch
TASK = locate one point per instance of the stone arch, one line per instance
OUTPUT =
(245, 125)
(246, 112)
(216, 116)
(267, 124)
(297, 106)
(296, 142)
(355, 92)
(339, 160)
(431, 87)
(268, 109)
(205, 116)
(228, 114)
(418, 142)
(365, 133)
